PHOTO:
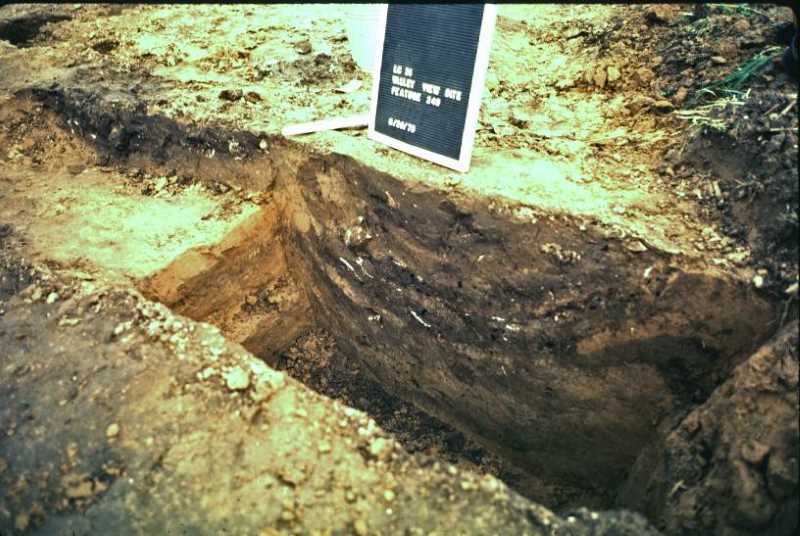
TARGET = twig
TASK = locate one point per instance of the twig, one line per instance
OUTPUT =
(791, 104)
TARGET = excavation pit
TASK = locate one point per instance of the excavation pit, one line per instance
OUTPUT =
(534, 344)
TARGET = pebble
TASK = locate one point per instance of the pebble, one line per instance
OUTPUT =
(377, 446)
(303, 47)
(663, 105)
(206, 373)
(360, 527)
(741, 25)
(645, 75)
(388, 495)
(719, 60)
(21, 521)
(237, 379)
(600, 77)
(680, 95)
(112, 431)
(52, 297)
(231, 94)
(758, 281)
(252, 97)
(636, 246)
(613, 73)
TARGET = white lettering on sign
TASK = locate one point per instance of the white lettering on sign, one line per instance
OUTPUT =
(402, 125)
(402, 69)
(403, 82)
(433, 101)
(415, 96)
(431, 88)
(453, 94)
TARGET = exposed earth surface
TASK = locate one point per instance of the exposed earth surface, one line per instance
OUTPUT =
(207, 327)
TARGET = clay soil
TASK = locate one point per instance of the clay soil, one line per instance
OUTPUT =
(207, 327)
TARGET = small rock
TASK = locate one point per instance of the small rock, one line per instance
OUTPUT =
(661, 14)
(251, 300)
(758, 281)
(663, 105)
(112, 431)
(356, 236)
(741, 25)
(75, 169)
(719, 60)
(636, 246)
(237, 379)
(680, 96)
(21, 521)
(613, 73)
(565, 83)
(377, 447)
(489, 483)
(738, 256)
(303, 47)
(360, 526)
(120, 328)
(792, 289)
(52, 297)
(388, 495)
(351, 86)
(600, 77)
(231, 94)
(263, 145)
(519, 118)
(252, 97)
(268, 381)
(644, 75)
(206, 373)
(293, 475)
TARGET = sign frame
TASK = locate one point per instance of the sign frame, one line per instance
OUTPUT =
(462, 163)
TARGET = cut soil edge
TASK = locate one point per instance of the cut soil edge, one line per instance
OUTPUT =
(579, 334)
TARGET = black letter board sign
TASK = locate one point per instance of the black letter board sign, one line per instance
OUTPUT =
(431, 66)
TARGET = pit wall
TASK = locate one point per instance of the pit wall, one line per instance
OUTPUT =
(544, 339)
(550, 344)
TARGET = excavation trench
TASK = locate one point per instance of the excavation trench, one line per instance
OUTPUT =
(562, 363)
(543, 339)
